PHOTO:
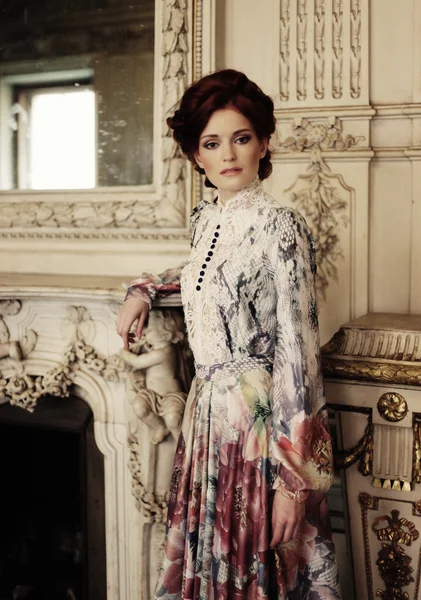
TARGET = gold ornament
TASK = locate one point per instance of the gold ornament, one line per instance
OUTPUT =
(392, 407)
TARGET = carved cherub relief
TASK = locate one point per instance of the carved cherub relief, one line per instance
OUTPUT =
(159, 376)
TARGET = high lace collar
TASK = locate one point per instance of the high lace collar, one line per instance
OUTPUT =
(244, 198)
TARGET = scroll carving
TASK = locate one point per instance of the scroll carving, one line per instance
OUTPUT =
(319, 198)
(337, 47)
(285, 26)
(302, 49)
(319, 48)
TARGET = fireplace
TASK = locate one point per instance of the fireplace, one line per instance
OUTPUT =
(52, 513)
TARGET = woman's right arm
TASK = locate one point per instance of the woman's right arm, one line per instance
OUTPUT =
(142, 291)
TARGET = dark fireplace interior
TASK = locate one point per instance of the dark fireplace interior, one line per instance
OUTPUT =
(52, 516)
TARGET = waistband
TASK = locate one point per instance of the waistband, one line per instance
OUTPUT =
(233, 367)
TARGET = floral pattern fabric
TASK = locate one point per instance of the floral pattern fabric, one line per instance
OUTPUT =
(255, 419)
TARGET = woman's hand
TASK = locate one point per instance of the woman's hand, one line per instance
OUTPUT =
(287, 516)
(132, 309)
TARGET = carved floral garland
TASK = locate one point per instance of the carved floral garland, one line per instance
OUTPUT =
(319, 200)
(25, 390)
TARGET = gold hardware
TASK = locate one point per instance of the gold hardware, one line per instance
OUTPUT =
(392, 407)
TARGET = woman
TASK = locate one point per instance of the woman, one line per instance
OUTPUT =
(247, 514)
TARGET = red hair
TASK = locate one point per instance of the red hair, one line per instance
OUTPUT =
(214, 92)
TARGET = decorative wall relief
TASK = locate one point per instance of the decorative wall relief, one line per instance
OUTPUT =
(318, 193)
(301, 49)
(24, 390)
(319, 48)
(355, 48)
(284, 63)
(337, 47)
(323, 31)
(393, 562)
(158, 382)
(171, 210)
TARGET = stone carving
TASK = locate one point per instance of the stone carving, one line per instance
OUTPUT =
(318, 198)
(355, 48)
(301, 49)
(77, 215)
(284, 65)
(152, 506)
(157, 384)
(171, 210)
(393, 562)
(392, 406)
(337, 47)
(319, 48)
(157, 395)
(372, 371)
(24, 390)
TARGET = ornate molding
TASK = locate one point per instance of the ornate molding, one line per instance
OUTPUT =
(171, 210)
(77, 215)
(284, 65)
(371, 371)
(318, 198)
(24, 390)
(355, 48)
(95, 235)
(319, 48)
(337, 48)
(301, 61)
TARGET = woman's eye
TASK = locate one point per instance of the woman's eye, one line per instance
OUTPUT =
(210, 145)
(243, 139)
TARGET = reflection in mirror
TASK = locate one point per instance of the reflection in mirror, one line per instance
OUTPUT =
(76, 93)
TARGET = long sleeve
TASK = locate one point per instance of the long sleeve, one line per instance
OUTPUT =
(149, 285)
(300, 443)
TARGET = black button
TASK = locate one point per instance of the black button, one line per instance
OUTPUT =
(200, 280)
(213, 246)
(207, 259)
(216, 234)
(214, 241)
(202, 273)
(204, 266)
(198, 288)
(218, 227)
(210, 253)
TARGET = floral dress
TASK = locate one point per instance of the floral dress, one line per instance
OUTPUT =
(255, 419)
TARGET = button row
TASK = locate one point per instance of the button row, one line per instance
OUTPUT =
(208, 258)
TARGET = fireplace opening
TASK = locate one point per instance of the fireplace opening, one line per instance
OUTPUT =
(52, 505)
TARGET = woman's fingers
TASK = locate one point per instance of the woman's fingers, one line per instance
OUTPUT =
(140, 323)
(132, 309)
(278, 528)
(288, 532)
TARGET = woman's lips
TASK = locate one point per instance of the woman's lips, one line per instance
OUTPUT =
(229, 172)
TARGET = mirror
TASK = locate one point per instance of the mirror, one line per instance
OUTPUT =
(76, 93)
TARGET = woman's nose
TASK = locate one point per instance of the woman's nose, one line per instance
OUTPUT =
(229, 153)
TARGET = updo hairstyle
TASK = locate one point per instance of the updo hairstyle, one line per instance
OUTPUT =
(214, 92)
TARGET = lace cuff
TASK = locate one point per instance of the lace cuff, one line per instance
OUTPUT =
(137, 292)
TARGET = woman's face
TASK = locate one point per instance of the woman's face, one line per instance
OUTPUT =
(229, 152)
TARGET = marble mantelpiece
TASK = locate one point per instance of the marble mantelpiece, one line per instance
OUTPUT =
(65, 327)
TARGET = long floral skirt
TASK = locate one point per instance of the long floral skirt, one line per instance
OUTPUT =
(219, 515)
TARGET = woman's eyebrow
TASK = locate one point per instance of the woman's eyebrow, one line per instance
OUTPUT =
(215, 135)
